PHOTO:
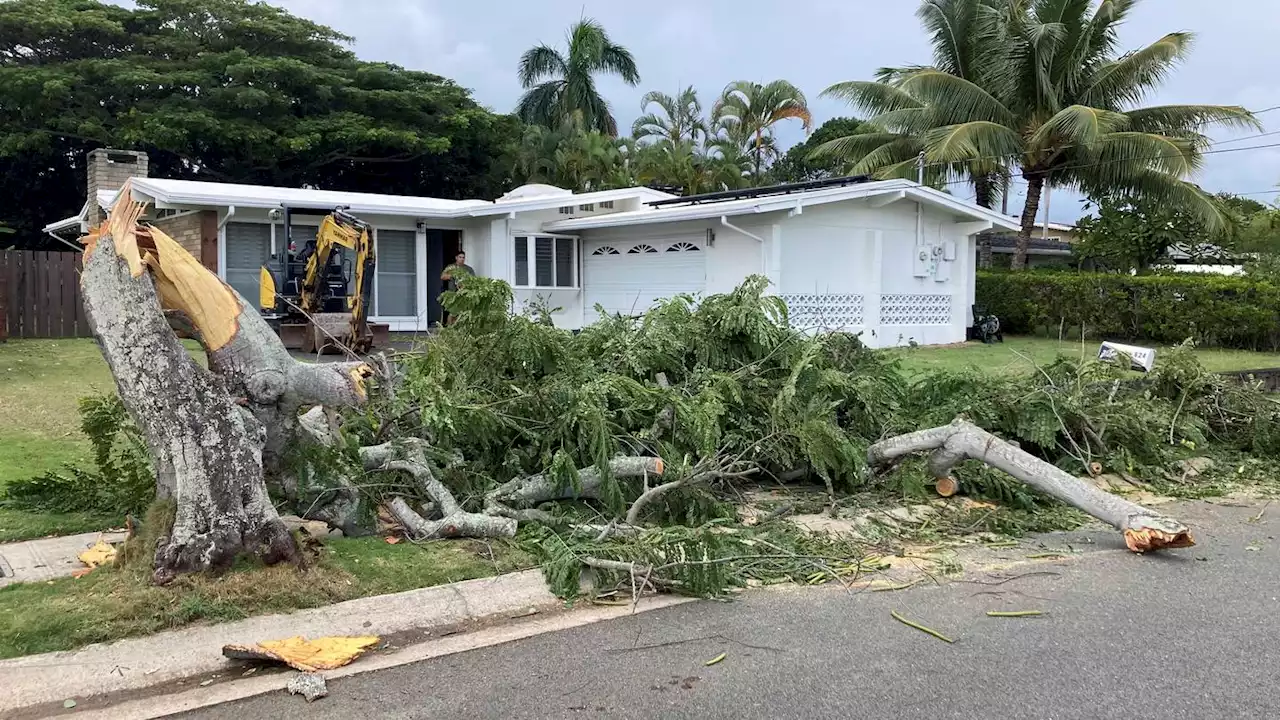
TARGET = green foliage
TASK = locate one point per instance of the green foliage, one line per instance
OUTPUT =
(123, 481)
(561, 87)
(225, 90)
(1234, 312)
(1134, 234)
(1039, 90)
(800, 163)
(515, 396)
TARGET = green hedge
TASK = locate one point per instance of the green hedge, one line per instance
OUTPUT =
(1215, 310)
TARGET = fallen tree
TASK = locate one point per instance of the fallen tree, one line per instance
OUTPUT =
(621, 443)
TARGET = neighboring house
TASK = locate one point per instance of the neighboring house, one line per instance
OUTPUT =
(1046, 248)
(890, 259)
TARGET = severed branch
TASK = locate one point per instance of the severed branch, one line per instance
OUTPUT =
(527, 491)
(1143, 529)
(409, 458)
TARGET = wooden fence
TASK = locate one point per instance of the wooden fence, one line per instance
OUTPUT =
(40, 295)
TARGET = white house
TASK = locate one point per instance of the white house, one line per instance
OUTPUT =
(891, 259)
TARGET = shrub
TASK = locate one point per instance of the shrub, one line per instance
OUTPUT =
(1214, 310)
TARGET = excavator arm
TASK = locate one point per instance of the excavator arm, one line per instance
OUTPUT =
(338, 229)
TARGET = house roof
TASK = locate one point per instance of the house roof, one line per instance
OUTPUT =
(904, 189)
(167, 192)
(185, 193)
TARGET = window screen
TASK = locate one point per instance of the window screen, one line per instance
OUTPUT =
(397, 273)
(522, 261)
(248, 249)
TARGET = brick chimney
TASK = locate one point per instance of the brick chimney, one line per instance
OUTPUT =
(107, 170)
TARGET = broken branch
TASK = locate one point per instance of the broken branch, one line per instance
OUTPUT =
(1143, 529)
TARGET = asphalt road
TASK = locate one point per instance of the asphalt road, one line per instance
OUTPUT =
(1189, 634)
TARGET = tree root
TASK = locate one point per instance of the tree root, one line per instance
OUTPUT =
(1143, 529)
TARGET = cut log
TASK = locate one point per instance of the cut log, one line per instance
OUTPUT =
(1143, 529)
(206, 449)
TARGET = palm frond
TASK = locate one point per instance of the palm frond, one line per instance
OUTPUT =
(852, 147)
(1076, 125)
(541, 104)
(1126, 80)
(1170, 119)
(872, 98)
(956, 99)
(538, 63)
(972, 141)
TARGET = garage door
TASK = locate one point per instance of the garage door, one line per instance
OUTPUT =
(628, 277)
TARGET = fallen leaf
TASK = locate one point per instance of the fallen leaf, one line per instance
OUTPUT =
(249, 672)
(102, 553)
(326, 653)
(207, 683)
(392, 540)
(716, 659)
(68, 703)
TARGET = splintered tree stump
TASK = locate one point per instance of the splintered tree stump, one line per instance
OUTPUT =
(206, 450)
(1143, 529)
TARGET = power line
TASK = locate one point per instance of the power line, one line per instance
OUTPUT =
(1080, 166)
(1019, 156)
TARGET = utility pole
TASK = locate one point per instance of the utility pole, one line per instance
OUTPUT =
(1048, 195)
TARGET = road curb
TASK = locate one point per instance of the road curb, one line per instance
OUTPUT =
(139, 664)
(241, 689)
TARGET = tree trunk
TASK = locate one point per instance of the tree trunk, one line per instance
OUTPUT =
(1035, 187)
(207, 450)
(759, 152)
(984, 188)
(1143, 529)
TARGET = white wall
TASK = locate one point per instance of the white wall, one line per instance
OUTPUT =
(850, 251)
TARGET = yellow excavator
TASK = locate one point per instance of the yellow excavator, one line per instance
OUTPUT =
(322, 300)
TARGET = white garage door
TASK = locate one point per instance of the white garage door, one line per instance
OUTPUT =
(628, 277)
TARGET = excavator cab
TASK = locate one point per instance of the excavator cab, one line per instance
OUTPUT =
(317, 297)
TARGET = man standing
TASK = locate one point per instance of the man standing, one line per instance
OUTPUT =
(452, 275)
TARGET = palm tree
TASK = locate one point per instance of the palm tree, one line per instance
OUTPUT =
(747, 112)
(1055, 105)
(558, 85)
(681, 117)
(690, 166)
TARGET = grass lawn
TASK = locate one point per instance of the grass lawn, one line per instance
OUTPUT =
(40, 384)
(111, 603)
(1011, 356)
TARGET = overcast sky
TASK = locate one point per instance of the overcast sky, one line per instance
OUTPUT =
(812, 43)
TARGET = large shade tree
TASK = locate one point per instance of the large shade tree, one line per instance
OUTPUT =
(561, 85)
(223, 90)
(803, 162)
(747, 111)
(1054, 102)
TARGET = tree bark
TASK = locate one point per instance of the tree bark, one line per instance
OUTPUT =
(207, 450)
(1035, 188)
(1143, 529)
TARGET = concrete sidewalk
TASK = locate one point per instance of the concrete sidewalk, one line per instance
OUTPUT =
(47, 558)
(146, 662)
